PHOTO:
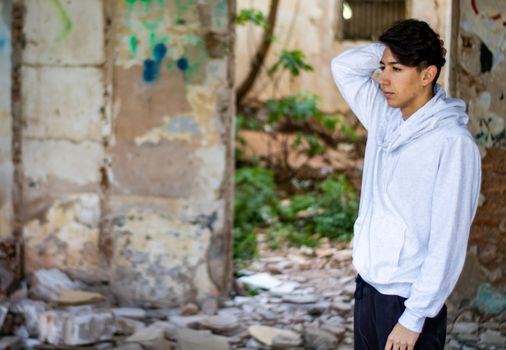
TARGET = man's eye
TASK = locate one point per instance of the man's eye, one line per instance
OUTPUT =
(382, 67)
(396, 69)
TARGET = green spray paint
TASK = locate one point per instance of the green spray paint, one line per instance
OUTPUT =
(133, 45)
(65, 18)
(489, 300)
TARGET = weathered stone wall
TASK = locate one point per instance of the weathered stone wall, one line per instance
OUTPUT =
(6, 166)
(126, 144)
(480, 69)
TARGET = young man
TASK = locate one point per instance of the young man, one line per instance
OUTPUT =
(420, 188)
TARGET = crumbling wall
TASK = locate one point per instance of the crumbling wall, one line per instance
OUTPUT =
(480, 69)
(6, 166)
(63, 88)
(126, 145)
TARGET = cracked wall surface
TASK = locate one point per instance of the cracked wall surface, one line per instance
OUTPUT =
(480, 72)
(6, 165)
(125, 141)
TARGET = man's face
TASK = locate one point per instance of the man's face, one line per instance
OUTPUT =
(404, 87)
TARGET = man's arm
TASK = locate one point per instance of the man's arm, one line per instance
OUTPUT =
(454, 204)
(352, 72)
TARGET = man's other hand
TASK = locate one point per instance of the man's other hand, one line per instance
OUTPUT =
(401, 338)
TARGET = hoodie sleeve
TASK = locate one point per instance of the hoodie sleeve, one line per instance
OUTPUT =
(352, 72)
(454, 203)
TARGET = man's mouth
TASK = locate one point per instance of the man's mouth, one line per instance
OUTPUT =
(388, 94)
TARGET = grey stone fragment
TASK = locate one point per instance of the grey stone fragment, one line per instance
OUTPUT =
(130, 312)
(76, 326)
(219, 324)
(129, 346)
(128, 326)
(491, 337)
(46, 284)
(281, 342)
(198, 340)
(317, 339)
(300, 299)
(4, 310)
(465, 327)
(31, 309)
(151, 338)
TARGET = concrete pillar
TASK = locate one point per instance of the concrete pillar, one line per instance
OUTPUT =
(170, 151)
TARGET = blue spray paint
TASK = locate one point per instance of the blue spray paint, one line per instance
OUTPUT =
(159, 52)
(152, 66)
(150, 70)
(182, 64)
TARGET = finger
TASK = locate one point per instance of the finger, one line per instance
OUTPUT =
(388, 345)
(411, 347)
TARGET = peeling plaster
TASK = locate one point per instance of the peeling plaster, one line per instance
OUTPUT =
(487, 127)
(491, 31)
(173, 251)
(67, 238)
(176, 128)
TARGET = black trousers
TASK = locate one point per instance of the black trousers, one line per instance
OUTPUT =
(376, 314)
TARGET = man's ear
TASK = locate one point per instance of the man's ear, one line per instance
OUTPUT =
(428, 75)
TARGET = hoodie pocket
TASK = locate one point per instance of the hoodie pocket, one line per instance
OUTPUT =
(386, 242)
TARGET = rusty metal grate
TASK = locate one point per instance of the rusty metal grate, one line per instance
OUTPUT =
(370, 17)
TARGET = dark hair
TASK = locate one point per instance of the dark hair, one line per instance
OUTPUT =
(414, 44)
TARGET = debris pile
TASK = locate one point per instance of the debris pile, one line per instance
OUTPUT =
(297, 298)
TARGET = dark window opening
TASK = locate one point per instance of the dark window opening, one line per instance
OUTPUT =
(367, 19)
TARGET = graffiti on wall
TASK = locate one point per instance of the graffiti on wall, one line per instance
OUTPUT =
(489, 128)
(486, 20)
(64, 18)
(163, 35)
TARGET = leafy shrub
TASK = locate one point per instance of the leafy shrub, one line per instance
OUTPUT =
(253, 201)
(329, 210)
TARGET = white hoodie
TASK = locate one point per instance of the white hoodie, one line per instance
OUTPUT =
(420, 189)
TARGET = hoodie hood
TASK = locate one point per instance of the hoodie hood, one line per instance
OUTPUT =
(439, 111)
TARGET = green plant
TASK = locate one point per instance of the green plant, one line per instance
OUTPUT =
(329, 210)
(252, 16)
(254, 195)
(292, 61)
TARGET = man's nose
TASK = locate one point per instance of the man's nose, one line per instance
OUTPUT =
(383, 78)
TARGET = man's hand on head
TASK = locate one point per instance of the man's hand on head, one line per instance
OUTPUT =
(401, 338)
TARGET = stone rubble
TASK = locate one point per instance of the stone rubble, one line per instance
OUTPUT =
(291, 299)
